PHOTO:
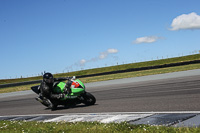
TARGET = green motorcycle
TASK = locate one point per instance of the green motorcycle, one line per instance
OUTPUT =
(78, 94)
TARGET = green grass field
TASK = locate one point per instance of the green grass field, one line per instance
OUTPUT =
(116, 76)
(87, 127)
(111, 68)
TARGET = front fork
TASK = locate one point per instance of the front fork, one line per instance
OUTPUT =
(81, 97)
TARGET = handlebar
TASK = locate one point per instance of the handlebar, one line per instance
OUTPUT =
(71, 78)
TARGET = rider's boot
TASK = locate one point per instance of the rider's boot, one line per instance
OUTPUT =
(39, 98)
(45, 101)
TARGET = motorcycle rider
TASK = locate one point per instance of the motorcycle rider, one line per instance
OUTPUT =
(47, 96)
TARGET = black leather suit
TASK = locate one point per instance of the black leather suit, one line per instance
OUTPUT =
(47, 89)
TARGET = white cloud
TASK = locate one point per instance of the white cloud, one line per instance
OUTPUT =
(101, 56)
(112, 51)
(82, 62)
(106, 53)
(146, 39)
(186, 21)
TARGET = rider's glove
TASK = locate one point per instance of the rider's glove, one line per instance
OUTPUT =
(68, 84)
(67, 91)
(61, 96)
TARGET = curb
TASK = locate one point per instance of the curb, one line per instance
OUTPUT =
(175, 119)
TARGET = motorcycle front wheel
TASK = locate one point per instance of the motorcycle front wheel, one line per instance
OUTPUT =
(89, 99)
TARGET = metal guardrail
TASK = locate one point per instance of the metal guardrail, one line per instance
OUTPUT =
(112, 72)
(142, 68)
(20, 83)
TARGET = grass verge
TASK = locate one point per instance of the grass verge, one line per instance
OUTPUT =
(86, 127)
(115, 76)
(110, 68)
(16, 88)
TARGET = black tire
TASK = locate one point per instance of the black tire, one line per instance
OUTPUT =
(54, 107)
(89, 99)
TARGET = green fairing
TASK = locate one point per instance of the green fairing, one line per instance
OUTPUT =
(59, 88)
(75, 91)
(81, 83)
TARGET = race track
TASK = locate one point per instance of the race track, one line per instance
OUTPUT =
(173, 93)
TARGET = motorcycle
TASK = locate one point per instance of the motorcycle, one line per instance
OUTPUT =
(78, 94)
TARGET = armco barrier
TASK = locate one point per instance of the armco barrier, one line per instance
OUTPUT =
(112, 72)
(142, 68)
(21, 83)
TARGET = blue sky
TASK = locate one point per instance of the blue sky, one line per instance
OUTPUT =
(68, 35)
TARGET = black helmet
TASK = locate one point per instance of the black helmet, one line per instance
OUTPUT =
(48, 78)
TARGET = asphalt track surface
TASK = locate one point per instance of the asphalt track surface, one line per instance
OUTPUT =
(160, 94)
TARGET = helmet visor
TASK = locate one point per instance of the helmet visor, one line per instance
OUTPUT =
(49, 81)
